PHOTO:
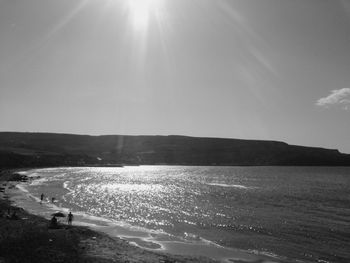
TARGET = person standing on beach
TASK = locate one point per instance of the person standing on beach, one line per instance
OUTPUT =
(41, 198)
(70, 218)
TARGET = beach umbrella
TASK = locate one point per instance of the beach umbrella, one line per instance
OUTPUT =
(58, 214)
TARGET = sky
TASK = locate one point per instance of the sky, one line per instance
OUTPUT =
(257, 69)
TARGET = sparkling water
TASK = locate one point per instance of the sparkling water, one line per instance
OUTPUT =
(294, 213)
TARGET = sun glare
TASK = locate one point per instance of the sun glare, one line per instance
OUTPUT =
(141, 10)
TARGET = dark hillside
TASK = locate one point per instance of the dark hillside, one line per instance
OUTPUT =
(48, 149)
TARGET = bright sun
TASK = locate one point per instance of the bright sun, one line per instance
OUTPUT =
(140, 11)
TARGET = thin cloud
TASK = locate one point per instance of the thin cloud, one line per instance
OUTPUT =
(337, 97)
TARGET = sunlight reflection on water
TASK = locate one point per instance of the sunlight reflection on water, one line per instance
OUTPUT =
(228, 205)
(128, 187)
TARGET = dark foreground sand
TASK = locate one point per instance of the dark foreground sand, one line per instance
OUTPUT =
(28, 239)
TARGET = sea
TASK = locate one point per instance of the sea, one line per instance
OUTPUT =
(252, 214)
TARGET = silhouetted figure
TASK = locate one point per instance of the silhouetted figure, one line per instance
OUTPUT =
(8, 215)
(41, 198)
(70, 218)
(53, 222)
(52, 199)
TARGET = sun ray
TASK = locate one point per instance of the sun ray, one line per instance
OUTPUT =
(141, 12)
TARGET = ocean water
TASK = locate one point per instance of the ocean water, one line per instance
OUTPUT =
(292, 214)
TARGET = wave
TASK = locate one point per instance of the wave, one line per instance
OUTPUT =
(66, 185)
(230, 185)
(22, 188)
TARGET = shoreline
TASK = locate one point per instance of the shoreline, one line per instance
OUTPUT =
(102, 246)
(84, 244)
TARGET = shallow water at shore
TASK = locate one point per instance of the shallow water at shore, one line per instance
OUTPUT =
(287, 212)
(152, 240)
